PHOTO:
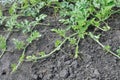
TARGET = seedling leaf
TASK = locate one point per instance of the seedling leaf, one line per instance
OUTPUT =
(2, 43)
(57, 43)
(42, 54)
(107, 48)
(34, 35)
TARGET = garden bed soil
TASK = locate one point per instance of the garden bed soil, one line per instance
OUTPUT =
(93, 63)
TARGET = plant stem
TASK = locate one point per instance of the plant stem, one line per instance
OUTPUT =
(8, 35)
(20, 60)
(56, 49)
(117, 11)
(108, 50)
(77, 47)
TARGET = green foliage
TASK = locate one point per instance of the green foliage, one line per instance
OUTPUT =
(34, 35)
(25, 9)
(77, 16)
(42, 54)
(24, 25)
(41, 17)
(1, 13)
(2, 19)
(11, 22)
(57, 43)
(82, 10)
(31, 58)
(72, 41)
(117, 2)
(13, 67)
(95, 37)
(32, 9)
(2, 43)
(13, 8)
(33, 2)
(118, 51)
(18, 44)
(107, 48)
(24, 3)
(61, 32)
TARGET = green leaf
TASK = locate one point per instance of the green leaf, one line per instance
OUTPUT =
(33, 1)
(65, 21)
(18, 44)
(107, 48)
(22, 58)
(13, 66)
(82, 31)
(72, 41)
(34, 35)
(1, 13)
(95, 37)
(42, 54)
(13, 8)
(2, 19)
(26, 26)
(41, 17)
(106, 28)
(95, 23)
(118, 51)
(117, 2)
(96, 3)
(104, 13)
(2, 43)
(11, 22)
(25, 3)
(57, 43)
(61, 32)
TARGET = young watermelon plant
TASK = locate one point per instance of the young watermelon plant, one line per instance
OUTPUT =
(77, 15)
